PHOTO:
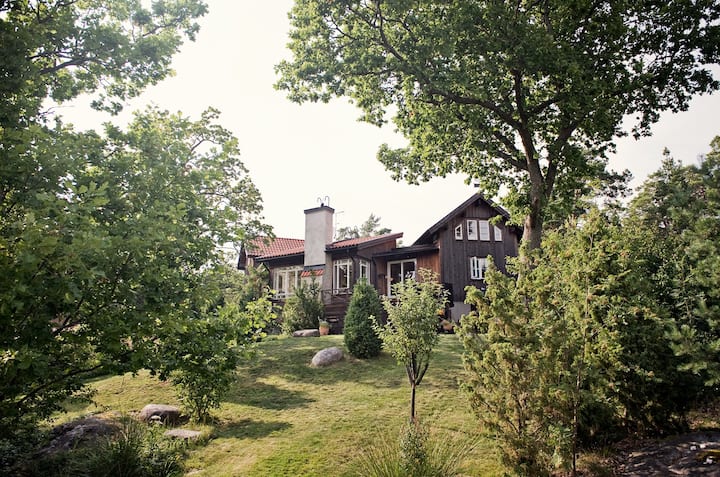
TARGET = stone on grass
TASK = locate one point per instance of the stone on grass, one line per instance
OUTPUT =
(160, 412)
(306, 333)
(184, 434)
(327, 356)
(73, 434)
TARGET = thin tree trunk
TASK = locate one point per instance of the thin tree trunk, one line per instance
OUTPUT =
(412, 403)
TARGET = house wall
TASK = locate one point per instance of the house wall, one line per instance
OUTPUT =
(455, 254)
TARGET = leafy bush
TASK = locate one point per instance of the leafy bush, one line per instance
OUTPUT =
(304, 309)
(361, 340)
(202, 358)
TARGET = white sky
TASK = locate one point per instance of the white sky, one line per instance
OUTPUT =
(299, 153)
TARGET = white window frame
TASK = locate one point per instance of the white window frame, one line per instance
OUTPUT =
(458, 232)
(364, 270)
(498, 233)
(478, 265)
(338, 266)
(472, 231)
(286, 280)
(403, 275)
(484, 230)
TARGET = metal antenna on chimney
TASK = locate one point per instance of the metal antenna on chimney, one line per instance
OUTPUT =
(323, 201)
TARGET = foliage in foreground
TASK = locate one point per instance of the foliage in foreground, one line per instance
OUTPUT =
(411, 329)
(678, 208)
(361, 340)
(200, 357)
(135, 451)
(415, 452)
(105, 236)
(553, 354)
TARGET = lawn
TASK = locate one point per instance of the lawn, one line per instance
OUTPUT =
(284, 417)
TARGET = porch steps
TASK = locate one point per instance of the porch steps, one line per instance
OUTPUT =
(335, 313)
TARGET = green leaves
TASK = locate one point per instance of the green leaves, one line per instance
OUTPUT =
(526, 96)
(410, 333)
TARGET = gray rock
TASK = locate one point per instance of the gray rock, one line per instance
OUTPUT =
(327, 356)
(73, 434)
(184, 434)
(163, 412)
(306, 333)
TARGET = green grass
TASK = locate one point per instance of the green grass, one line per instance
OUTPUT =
(284, 417)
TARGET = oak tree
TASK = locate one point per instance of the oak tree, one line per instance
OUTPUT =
(525, 95)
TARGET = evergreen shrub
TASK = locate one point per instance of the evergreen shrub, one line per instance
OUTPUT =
(361, 339)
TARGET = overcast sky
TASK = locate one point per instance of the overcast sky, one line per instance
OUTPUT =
(297, 154)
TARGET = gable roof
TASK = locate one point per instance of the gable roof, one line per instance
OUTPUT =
(264, 248)
(426, 236)
(363, 241)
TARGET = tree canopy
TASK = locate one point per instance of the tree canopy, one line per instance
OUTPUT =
(106, 238)
(524, 95)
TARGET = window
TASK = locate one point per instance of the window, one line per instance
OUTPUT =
(400, 271)
(484, 230)
(458, 232)
(286, 280)
(472, 233)
(498, 233)
(342, 276)
(477, 268)
(364, 270)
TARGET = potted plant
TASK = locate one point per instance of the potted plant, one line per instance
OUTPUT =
(324, 328)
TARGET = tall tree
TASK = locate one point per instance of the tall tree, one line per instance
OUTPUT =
(104, 237)
(99, 267)
(528, 95)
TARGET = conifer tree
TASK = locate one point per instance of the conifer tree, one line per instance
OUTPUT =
(361, 339)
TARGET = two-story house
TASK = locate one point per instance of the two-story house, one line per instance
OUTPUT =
(456, 248)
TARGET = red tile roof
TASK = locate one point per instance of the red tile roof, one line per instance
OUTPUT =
(263, 247)
(362, 240)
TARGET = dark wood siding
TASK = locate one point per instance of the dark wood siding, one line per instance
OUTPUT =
(455, 254)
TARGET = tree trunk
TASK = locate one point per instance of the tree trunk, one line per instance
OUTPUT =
(412, 403)
(532, 231)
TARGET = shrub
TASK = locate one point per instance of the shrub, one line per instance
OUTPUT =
(417, 453)
(361, 339)
(304, 309)
(136, 451)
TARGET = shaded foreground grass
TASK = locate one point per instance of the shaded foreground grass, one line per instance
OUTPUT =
(283, 417)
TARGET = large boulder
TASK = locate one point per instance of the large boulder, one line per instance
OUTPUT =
(327, 356)
(160, 412)
(306, 333)
(73, 434)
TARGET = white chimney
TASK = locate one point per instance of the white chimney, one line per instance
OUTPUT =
(318, 233)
